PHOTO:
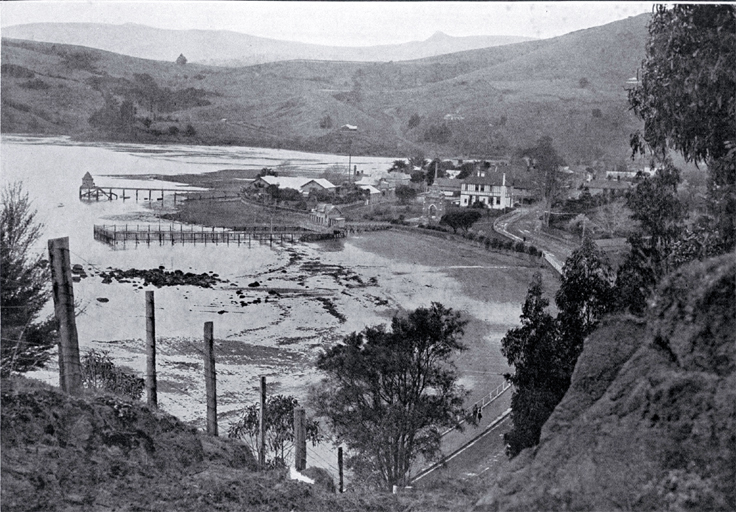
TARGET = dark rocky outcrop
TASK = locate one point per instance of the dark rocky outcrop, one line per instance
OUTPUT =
(159, 277)
(649, 422)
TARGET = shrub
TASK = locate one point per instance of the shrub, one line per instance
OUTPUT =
(508, 245)
(99, 372)
(414, 121)
(487, 242)
(173, 130)
(519, 246)
(36, 84)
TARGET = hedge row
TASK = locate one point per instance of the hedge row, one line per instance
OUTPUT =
(488, 242)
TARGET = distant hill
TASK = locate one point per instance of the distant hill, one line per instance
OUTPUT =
(466, 104)
(227, 48)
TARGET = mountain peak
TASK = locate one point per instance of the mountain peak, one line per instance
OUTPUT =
(439, 36)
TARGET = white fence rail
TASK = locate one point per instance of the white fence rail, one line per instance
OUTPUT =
(483, 402)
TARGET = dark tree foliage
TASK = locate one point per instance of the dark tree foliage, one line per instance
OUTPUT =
(388, 393)
(24, 284)
(545, 163)
(655, 204)
(267, 171)
(399, 165)
(439, 134)
(326, 122)
(687, 98)
(414, 121)
(417, 177)
(418, 160)
(462, 219)
(584, 296)
(114, 117)
(539, 379)
(279, 429)
(635, 278)
(544, 350)
(657, 248)
(405, 193)
(466, 169)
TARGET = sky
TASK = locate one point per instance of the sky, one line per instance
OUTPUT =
(335, 23)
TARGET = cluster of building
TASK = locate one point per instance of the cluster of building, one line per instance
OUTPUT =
(495, 184)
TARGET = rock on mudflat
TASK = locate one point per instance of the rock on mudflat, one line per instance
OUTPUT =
(649, 421)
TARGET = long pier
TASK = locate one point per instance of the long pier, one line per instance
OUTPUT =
(95, 193)
(151, 234)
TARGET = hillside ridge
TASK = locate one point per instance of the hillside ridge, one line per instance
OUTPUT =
(476, 102)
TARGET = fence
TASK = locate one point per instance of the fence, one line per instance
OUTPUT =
(483, 402)
(113, 235)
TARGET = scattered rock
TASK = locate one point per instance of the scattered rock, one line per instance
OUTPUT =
(254, 284)
(159, 277)
(103, 299)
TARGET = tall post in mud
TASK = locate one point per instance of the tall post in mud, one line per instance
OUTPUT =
(262, 427)
(151, 388)
(210, 379)
(300, 440)
(70, 369)
(339, 470)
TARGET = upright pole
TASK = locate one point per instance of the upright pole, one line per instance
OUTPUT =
(300, 440)
(151, 389)
(210, 379)
(70, 372)
(339, 469)
(262, 427)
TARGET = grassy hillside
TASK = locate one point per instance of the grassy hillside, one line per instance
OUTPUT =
(465, 104)
(101, 452)
(227, 48)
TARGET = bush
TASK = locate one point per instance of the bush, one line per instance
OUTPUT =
(487, 242)
(508, 245)
(36, 84)
(173, 130)
(519, 247)
(99, 372)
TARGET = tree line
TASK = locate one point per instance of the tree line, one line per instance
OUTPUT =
(690, 59)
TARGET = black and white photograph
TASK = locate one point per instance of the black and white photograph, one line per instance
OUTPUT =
(367, 256)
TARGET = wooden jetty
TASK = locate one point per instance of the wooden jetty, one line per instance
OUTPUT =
(96, 193)
(89, 191)
(152, 234)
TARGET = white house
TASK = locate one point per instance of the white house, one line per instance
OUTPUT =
(489, 188)
(303, 185)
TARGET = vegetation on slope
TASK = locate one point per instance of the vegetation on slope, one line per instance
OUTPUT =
(483, 102)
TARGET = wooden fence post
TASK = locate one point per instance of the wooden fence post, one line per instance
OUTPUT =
(262, 427)
(339, 469)
(300, 440)
(151, 388)
(70, 370)
(210, 379)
